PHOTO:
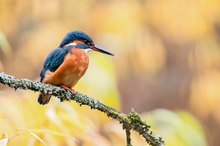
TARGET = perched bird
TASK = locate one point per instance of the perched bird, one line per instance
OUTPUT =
(66, 64)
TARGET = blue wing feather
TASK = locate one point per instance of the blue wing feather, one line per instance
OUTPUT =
(54, 60)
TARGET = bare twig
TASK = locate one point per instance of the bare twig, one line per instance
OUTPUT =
(128, 135)
(130, 121)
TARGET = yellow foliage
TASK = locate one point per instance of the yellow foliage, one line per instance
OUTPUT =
(205, 94)
(155, 42)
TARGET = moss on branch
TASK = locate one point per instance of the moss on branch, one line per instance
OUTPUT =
(132, 121)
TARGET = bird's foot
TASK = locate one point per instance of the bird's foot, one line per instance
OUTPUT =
(69, 89)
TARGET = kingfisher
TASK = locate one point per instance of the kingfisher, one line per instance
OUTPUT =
(66, 64)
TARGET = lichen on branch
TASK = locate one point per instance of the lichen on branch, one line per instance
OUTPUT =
(132, 121)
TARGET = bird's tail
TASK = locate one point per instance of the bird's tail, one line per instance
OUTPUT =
(44, 99)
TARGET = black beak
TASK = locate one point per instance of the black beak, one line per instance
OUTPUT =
(95, 48)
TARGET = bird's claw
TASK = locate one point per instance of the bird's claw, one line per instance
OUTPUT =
(69, 89)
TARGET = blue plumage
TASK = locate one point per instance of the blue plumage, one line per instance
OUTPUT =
(56, 57)
(76, 39)
(52, 63)
(54, 60)
(76, 35)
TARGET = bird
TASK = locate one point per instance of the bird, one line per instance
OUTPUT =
(65, 65)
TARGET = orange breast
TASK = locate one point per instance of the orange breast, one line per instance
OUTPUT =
(71, 70)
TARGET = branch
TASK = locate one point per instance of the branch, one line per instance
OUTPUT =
(130, 121)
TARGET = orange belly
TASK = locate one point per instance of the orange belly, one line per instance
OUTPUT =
(71, 70)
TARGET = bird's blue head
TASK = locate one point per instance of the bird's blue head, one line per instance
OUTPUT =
(76, 36)
(82, 41)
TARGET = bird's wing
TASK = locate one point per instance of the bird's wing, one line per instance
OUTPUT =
(54, 60)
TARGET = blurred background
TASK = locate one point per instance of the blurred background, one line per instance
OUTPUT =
(166, 67)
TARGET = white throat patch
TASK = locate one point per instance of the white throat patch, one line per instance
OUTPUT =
(71, 44)
(74, 44)
(87, 50)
